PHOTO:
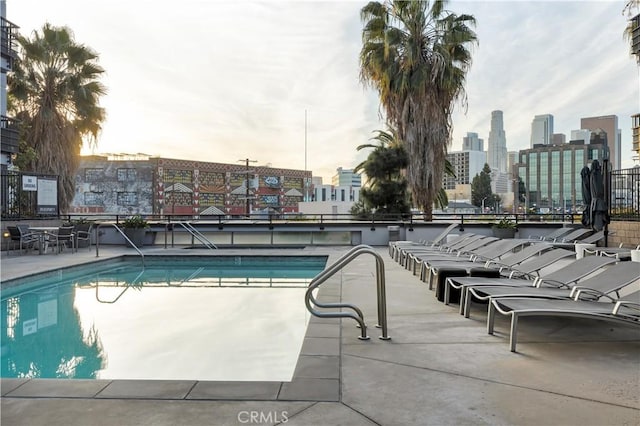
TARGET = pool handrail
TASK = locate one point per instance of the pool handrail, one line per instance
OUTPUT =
(190, 229)
(359, 318)
(115, 225)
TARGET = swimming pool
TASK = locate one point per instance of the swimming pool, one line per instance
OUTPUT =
(225, 318)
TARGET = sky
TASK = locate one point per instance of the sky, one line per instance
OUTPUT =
(221, 81)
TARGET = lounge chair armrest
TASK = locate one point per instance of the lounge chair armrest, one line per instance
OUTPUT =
(625, 303)
(577, 292)
(552, 283)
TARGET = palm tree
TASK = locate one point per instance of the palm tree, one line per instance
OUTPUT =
(55, 94)
(415, 54)
(386, 189)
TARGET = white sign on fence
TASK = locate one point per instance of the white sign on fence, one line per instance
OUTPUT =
(29, 183)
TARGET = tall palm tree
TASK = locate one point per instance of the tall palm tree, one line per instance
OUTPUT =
(416, 55)
(55, 94)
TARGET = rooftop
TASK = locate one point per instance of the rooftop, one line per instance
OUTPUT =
(439, 368)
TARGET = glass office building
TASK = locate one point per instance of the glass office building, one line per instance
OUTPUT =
(551, 174)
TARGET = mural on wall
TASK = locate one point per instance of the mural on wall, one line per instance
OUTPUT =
(113, 187)
(185, 187)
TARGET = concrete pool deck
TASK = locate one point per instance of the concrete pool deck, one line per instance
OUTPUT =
(439, 368)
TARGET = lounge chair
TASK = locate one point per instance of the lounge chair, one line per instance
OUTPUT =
(624, 310)
(616, 277)
(553, 235)
(562, 277)
(470, 243)
(472, 258)
(404, 254)
(575, 235)
(393, 245)
(594, 238)
(523, 273)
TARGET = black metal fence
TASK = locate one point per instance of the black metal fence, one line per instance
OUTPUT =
(625, 194)
(28, 195)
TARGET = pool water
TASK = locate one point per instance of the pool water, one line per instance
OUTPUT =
(231, 319)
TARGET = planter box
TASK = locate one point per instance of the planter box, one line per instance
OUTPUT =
(136, 235)
(503, 232)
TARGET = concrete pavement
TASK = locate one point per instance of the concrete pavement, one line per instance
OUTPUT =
(439, 368)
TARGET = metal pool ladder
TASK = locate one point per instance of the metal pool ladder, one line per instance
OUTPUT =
(121, 232)
(191, 230)
(312, 303)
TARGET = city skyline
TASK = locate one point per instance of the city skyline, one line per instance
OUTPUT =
(220, 81)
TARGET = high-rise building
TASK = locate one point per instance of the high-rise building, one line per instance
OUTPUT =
(551, 173)
(497, 149)
(472, 142)
(8, 128)
(581, 135)
(466, 165)
(541, 130)
(558, 138)
(635, 127)
(609, 124)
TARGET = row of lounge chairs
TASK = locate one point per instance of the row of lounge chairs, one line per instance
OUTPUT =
(531, 277)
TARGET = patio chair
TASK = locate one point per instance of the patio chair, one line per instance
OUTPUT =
(83, 235)
(65, 237)
(625, 310)
(563, 277)
(617, 276)
(23, 240)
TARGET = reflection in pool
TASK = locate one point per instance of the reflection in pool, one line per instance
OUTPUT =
(187, 320)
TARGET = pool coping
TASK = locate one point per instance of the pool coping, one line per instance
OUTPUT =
(317, 375)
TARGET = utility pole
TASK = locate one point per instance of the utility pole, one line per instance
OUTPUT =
(247, 171)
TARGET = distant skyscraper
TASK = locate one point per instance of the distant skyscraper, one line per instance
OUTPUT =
(581, 135)
(471, 142)
(466, 165)
(542, 130)
(558, 138)
(608, 123)
(497, 149)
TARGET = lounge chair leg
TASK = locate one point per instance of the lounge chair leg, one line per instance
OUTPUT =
(491, 315)
(467, 303)
(513, 338)
(446, 291)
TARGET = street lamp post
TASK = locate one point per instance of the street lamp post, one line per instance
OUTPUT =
(483, 204)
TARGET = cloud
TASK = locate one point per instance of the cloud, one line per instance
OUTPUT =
(225, 80)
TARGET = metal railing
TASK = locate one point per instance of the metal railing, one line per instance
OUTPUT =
(358, 316)
(191, 230)
(19, 196)
(121, 233)
(625, 194)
